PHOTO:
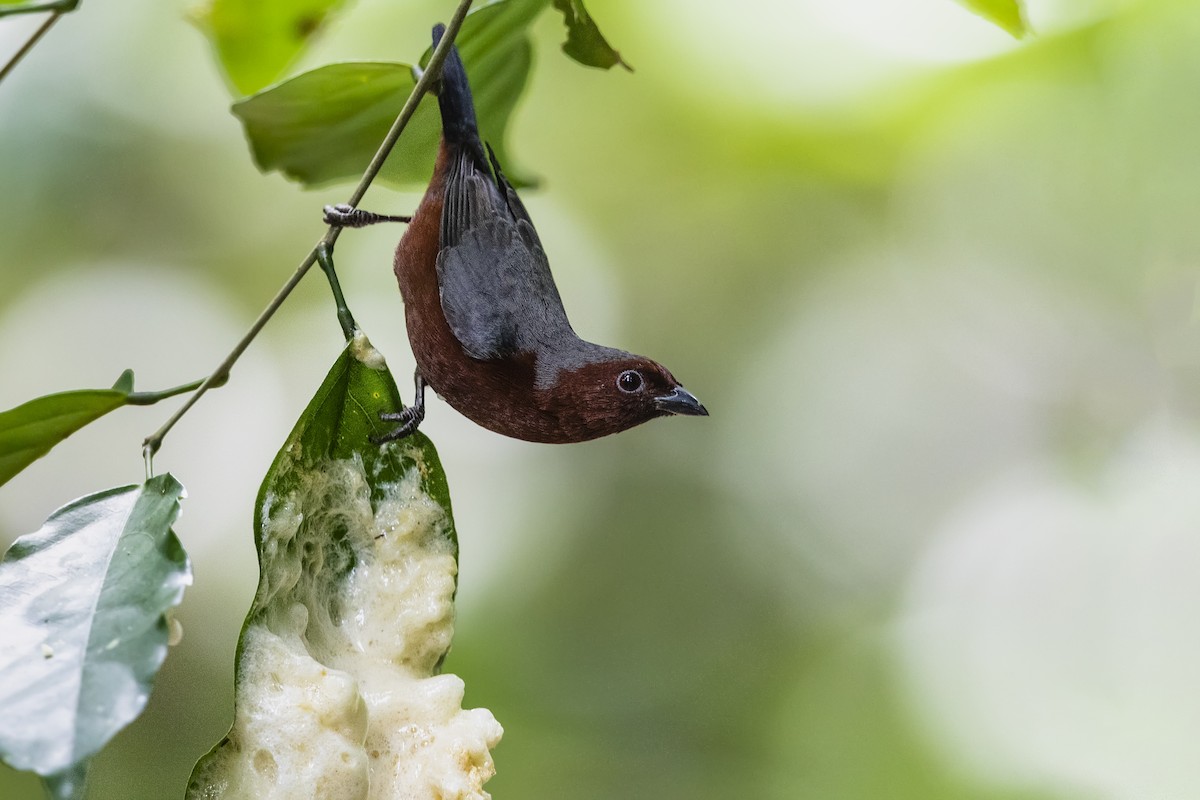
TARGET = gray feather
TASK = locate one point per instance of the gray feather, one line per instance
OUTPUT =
(497, 292)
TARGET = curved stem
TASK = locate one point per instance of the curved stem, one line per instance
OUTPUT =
(221, 374)
(345, 318)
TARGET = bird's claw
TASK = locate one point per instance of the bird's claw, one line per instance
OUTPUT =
(344, 215)
(341, 215)
(409, 418)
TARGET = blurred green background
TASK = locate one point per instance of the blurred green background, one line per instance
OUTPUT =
(938, 288)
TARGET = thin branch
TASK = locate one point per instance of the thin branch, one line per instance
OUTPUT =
(58, 7)
(33, 40)
(221, 374)
(33, 7)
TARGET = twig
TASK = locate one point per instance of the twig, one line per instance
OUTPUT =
(221, 374)
(58, 7)
(25, 48)
(34, 7)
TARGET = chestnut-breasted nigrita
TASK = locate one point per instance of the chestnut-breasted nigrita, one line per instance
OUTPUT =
(485, 320)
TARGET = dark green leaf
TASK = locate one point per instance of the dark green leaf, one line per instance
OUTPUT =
(256, 41)
(331, 508)
(584, 42)
(1007, 14)
(28, 431)
(325, 125)
(82, 606)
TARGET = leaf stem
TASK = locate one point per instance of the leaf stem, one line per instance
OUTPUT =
(221, 374)
(345, 318)
(150, 398)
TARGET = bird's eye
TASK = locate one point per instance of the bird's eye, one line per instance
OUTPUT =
(629, 381)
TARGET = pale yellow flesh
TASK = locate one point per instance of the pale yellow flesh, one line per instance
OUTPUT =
(337, 696)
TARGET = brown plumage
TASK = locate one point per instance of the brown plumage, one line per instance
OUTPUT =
(485, 320)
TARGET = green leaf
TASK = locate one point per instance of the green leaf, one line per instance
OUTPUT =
(338, 424)
(334, 510)
(1007, 14)
(29, 431)
(584, 42)
(82, 606)
(256, 41)
(124, 383)
(325, 125)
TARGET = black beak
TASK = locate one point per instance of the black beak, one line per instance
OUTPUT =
(680, 401)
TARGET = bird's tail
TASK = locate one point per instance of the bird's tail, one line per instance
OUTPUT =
(454, 99)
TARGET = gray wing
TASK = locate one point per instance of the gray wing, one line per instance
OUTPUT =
(497, 292)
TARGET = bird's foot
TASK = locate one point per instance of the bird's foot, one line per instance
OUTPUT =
(409, 418)
(346, 216)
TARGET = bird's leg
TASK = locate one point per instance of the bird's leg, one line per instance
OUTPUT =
(345, 216)
(409, 418)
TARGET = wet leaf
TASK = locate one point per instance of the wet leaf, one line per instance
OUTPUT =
(82, 606)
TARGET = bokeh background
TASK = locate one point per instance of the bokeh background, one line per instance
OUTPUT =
(940, 537)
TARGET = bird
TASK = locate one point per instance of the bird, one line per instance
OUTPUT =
(485, 319)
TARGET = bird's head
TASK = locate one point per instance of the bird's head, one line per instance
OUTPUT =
(616, 393)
